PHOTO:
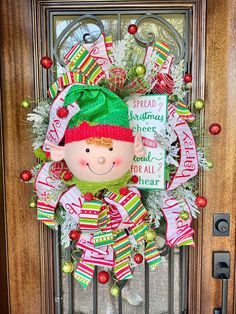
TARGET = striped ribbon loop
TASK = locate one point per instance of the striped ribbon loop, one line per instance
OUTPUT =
(122, 270)
(109, 47)
(88, 219)
(66, 79)
(152, 255)
(183, 111)
(79, 59)
(84, 273)
(162, 51)
(122, 245)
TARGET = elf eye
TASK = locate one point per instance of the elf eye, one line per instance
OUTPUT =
(87, 150)
(111, 149)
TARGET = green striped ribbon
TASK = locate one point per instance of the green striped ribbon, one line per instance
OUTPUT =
(103, 238)
(152, 255)
(122, 245)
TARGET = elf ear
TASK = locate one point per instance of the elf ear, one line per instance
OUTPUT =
(139, 150)
(57, 152)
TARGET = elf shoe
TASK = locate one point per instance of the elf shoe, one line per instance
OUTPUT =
(131, 297)
(111, 308)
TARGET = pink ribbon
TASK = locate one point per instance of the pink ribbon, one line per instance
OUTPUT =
(57, 126)
(188, 163)
(178, 231)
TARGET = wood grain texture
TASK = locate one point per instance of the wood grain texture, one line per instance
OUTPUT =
(219, 184)
(17, 79)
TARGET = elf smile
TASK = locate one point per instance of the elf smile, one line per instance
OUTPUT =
(101, 174)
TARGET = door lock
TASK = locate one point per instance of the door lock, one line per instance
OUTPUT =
(221, 224)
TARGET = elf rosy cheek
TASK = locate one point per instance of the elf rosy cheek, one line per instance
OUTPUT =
(83, 163)
(118, 161)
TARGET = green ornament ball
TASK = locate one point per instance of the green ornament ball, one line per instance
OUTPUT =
(210, 164)
(184, 215)
(150, 235)
(114, 291)
(67, 267)
(25, 103)
(140, 70)
(199, 104)
(32, 204)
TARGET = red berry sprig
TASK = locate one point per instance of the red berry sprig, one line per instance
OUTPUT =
(201, 201)
(132, 29)
(46, 62)
(138, 258)
(88, 196)
(67, 176)
(74, 235)
(26, 175)
(215, 128)
(62, 112)
(187, 78)
(124, 191)
(103, 277)
(134, 179)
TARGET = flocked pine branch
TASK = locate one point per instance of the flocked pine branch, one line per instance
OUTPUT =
(39, 119)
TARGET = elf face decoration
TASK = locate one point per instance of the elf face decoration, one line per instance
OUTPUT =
(104, 158)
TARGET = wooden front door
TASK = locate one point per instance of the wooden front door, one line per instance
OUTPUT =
(27, 283)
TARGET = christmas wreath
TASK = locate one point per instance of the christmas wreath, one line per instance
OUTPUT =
(85, 150)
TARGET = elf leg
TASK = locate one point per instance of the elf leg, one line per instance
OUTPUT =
(130, 295)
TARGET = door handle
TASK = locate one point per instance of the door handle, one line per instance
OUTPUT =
(221, 270)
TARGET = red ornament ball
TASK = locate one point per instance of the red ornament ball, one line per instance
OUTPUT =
(215, 128)
(201, 201)
(132, 29)
(187, 78)
(74, 235)
(67, 176)
(124, 190)
(138, 258)
(88, 196)
(134, 179)
(46, 62)
(103, 277)
(26, 175)
(62, 112)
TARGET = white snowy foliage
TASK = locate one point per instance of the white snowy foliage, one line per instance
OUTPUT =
(122, 51)
(177, 72)
(189, 196)
(202, 161)
(68, 225)
(39, 119)
(167, 140)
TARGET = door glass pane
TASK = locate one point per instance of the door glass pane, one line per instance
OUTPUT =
(167, 284)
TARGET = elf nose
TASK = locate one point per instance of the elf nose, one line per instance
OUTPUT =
(101, 160)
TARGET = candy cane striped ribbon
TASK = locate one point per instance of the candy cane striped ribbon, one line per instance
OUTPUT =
(162, 51)
(79, 59)
(122, 245)
(84, 273)
(152, 255)
(66, 79)
(122, 270)
(183, 110)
